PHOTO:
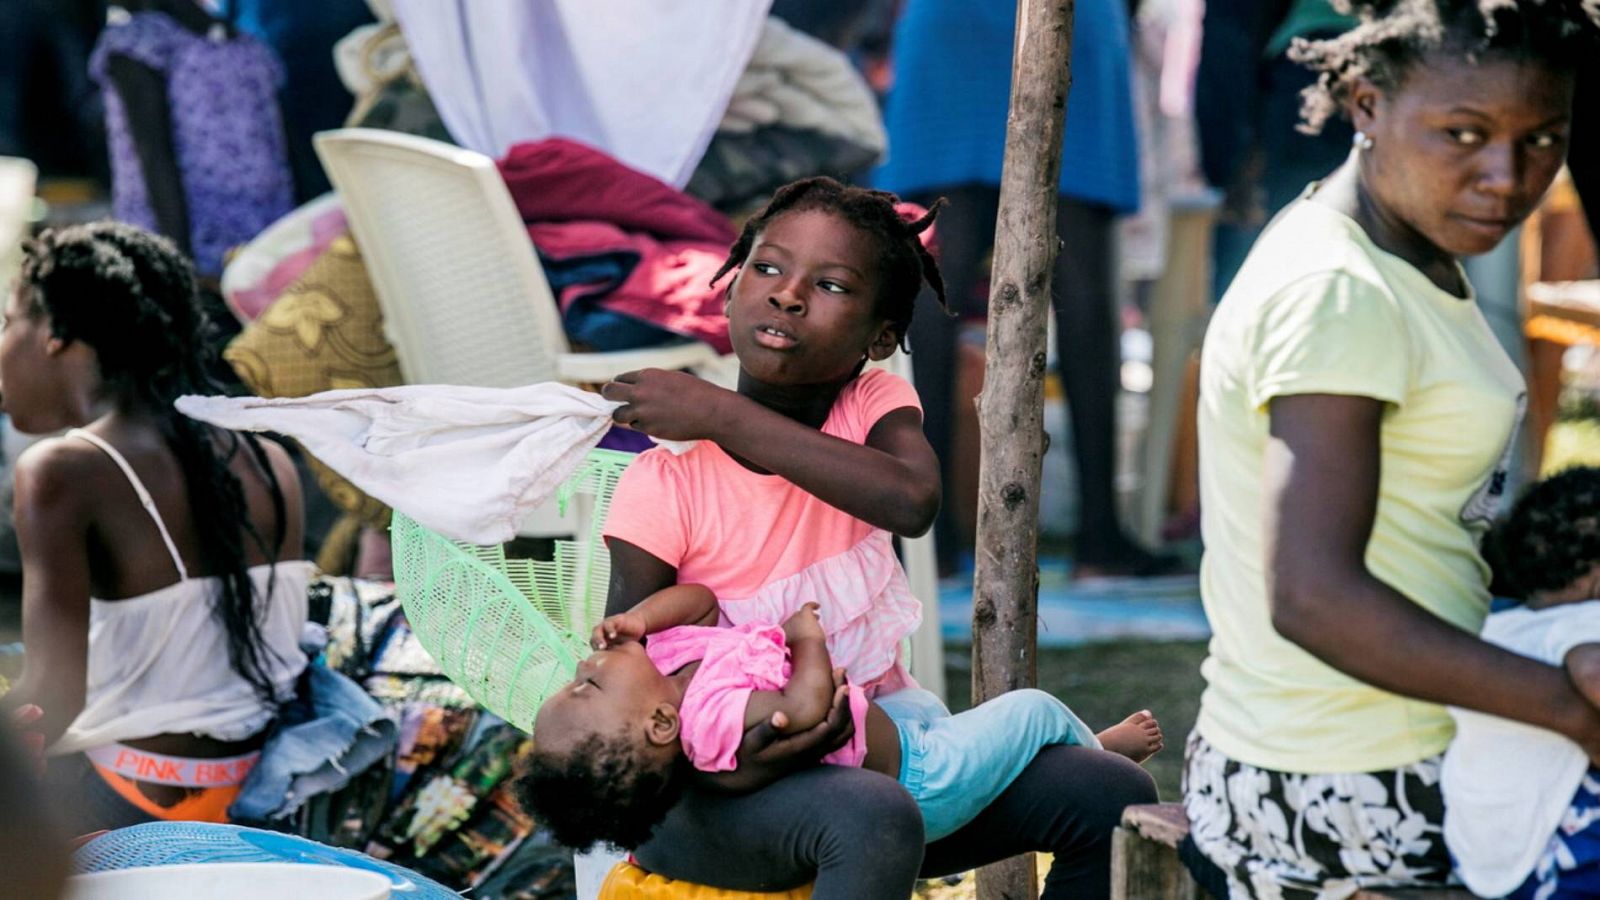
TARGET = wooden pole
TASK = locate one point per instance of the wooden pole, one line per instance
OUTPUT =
(1011, 405)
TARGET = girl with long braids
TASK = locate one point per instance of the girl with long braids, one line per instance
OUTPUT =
(1355, 420)
(163, 590)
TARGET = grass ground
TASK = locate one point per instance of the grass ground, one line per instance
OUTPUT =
(1103, 683)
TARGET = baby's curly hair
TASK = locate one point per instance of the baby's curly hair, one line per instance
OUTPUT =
(1552, 537)
(1394, 34)
(903, 262)
(603, 791)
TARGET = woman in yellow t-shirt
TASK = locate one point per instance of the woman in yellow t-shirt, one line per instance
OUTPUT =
(1355, 420)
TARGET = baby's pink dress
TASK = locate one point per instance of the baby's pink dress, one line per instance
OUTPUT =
(735, 661)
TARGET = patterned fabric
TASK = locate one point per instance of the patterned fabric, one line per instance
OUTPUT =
(324, 333)
(1569, 868)
(1284, 836)
(226, 131)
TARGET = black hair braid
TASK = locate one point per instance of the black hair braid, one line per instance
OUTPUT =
(1552, 537)
(131, 296)
(903, 262)
(601, 792)
(1394, 35)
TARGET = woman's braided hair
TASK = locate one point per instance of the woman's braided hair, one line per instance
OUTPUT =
(1552, 537)
(131, 296)
(903, 262)
(1394, 34)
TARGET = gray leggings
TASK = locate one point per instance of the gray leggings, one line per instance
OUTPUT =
(859, 834)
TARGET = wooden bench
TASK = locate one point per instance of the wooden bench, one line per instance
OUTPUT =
(1145, 865)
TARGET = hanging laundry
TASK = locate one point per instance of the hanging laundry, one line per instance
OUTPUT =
(619, 240)
(800, 109)
(197, 145)
(643, 80)
(797, 81)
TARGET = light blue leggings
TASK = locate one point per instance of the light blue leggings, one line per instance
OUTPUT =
(956, 765)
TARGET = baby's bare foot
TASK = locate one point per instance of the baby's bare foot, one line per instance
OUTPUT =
(1138, 737)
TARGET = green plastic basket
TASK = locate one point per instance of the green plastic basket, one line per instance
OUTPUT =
(511, 631)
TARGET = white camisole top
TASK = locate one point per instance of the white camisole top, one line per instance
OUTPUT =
(158, 663)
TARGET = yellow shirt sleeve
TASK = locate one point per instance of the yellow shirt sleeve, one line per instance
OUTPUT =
(1329, 333)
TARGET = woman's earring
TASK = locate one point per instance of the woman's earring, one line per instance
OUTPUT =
(1361, 141)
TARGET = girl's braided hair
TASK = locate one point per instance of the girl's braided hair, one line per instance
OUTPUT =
(131, 296)
(903, 262)
(1394, 34)
(1552, 537)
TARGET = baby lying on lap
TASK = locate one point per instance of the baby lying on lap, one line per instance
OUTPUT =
(615, 746)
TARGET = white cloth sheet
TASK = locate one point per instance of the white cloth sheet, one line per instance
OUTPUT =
(470, 463)
(644, 80)
(800, 82)
(1506, 784)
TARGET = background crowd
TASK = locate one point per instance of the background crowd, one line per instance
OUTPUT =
(1405, 345)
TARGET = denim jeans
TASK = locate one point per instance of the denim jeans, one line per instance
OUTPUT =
(329, 733)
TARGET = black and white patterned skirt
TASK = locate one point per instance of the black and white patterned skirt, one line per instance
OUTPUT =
(1284, 836)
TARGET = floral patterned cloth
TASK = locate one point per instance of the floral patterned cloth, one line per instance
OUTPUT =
(1569, 867)
(1284, 836)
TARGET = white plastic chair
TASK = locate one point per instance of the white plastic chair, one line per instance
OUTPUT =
(464, 298)
(17, 179)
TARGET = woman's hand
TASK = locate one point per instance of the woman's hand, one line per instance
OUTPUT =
(767, 754)
(671, 406)
(628, 627)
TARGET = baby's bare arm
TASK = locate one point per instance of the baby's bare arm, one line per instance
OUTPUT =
(806, 699)
(678, 604)
(1583, 667)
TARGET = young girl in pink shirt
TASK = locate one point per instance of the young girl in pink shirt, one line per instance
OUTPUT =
(801, 479)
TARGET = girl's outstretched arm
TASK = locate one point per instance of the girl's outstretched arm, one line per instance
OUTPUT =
(892, 481)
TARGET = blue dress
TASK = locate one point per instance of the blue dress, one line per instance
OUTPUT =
(946, 113)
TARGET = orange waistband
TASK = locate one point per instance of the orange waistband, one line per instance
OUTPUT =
(197, 805)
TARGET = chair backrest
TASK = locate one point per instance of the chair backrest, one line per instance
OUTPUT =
(464, 298)
(511, 631)
(17, 178)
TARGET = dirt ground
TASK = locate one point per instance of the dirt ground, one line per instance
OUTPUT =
(1103, 683)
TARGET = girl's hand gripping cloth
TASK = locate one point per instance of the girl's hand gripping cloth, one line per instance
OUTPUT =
(470, 463)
